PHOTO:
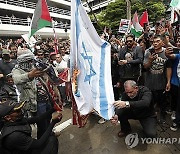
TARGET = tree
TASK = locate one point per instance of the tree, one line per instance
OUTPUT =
(116, 11)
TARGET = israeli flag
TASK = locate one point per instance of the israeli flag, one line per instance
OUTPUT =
(91, 56)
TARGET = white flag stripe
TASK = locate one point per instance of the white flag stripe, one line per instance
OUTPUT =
(93, 60)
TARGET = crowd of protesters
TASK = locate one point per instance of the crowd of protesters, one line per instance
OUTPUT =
(145, 78)
(30, 91)
(152, 61)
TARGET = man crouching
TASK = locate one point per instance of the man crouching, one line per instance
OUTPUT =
(135, 104)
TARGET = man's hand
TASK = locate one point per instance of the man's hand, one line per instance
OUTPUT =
(114, 120)
(35, 73)
(152, 57)
(120, 104)
(168, 86)
(1, 75)
(162, 30)
(122, 62)
(118, 85)
(169, 50)
(56, 117)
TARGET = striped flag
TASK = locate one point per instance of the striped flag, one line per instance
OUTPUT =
(55, 41)
(90, 66)
(136, 28)
(41, 17)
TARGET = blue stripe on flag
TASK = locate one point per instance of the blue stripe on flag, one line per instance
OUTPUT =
(77, 23)
(103, 98)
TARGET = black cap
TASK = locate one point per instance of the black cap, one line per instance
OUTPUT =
(7, 106)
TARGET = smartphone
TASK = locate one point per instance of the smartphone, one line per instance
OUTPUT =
(151, 50)
(176, 50)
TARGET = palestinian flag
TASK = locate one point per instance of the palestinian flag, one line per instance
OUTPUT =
(136, 28)
(41, 17)
(144, 18)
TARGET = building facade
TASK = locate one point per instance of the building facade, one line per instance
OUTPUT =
(16, 16)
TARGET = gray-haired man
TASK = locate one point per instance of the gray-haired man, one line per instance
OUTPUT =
(135, 104)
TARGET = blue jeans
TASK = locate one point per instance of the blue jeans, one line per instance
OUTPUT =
(42, 125)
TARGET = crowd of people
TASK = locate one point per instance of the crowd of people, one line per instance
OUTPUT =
(145, 77)
(151, 61)
(30, 91)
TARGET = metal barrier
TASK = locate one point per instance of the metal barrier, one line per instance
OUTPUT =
(32, 5)
(18, 21)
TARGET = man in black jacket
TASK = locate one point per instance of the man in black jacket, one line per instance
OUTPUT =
(16, 132)
(135, 104)
(130, 60)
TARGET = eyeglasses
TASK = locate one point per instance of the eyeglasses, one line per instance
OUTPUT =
(130, 41)
(39, 54)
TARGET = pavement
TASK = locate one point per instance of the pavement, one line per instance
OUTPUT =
(97, 138)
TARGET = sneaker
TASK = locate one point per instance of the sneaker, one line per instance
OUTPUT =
(101, 121)
(174, 127)
(173, 115)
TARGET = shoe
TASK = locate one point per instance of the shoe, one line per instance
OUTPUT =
(174, 127)
(173, 115)
(123, 134)
(102, 121)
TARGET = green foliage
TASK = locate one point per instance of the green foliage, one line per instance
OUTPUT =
(116, 11)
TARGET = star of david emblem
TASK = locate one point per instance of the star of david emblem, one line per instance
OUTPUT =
(86, 56)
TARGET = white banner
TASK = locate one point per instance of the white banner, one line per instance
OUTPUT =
(124, 25)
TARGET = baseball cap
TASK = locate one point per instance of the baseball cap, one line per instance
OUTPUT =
(8, 106)
(5, 52)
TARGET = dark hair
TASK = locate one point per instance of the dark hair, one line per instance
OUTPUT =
(130, 35)
(158, 36)
(12, 45)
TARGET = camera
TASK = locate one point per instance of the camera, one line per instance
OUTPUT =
(176, 50)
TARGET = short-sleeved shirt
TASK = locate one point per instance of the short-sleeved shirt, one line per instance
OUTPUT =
(156, 75)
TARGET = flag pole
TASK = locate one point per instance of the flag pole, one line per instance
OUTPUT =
(95, 18)
(55, 40)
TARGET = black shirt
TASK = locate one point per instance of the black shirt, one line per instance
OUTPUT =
(141, 105)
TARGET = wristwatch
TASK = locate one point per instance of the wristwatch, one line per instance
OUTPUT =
(127, 104)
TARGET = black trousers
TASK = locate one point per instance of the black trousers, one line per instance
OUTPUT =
(159, 98)
(148, 123)
(177, 120)
(174, 97)
(42, 125)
